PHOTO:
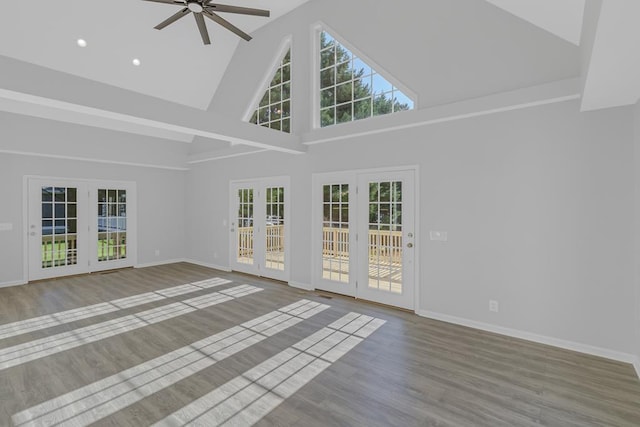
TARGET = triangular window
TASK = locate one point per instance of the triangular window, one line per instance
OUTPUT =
(350, 89)
(274, 110)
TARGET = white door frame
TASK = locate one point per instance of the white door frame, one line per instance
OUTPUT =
(259, 186)
(351, 177)
(91, 211)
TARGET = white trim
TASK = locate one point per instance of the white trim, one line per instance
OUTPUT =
(445, 119)
(13, 283)
(204, 264)
(179, 260)
(529, 336)
(285, 45)
(228, 156)
(300, 285)
(88, 159)
(25, 228)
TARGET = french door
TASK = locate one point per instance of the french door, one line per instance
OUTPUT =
(259, 212)
(366, 249)
(77, 227)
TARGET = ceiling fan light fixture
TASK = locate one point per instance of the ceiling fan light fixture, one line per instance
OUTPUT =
(195, 7)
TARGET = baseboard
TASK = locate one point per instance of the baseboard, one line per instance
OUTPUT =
(12, 283)
(157, 263)
(190, 261)
(541, 339)
(204, 264)
(303, 286)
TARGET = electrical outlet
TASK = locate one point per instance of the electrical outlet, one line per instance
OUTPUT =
(157, 252)
(493, 306)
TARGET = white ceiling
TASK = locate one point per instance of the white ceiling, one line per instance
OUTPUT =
(176, 66)
(560, 17)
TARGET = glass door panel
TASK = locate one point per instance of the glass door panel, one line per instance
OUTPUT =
(57, 229)
(335, 232)
(111, 225)
(274, 228)
(384, 239)
(386, 230)
(244, 251)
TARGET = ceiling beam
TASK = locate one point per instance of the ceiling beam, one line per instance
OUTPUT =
(29, 84)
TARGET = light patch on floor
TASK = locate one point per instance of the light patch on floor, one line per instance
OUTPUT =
(68, 316)
(109, 395)
(32, 350)
(247, 398)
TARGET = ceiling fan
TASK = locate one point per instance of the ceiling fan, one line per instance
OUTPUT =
(207, 8)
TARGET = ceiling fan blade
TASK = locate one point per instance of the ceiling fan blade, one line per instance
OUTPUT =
(203, 28)
(228, 25)
(171, 2)
(216, 7)
(173, 18)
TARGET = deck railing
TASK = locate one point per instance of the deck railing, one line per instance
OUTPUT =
(335, 242)
(275, 240)
(387, 243)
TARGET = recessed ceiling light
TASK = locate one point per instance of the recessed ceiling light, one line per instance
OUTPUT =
(82, 42)
(136, 62)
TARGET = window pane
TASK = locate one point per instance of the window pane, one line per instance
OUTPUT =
(327, 77)
(344, 93)
(276, 94)
(343, 113)
(362, 109)
(327, 57)
(327, 117)
(327, 97)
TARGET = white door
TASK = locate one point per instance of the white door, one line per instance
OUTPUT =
(386, 237)
(335, 219)
(112, 227)
(259, 227)
(78, 227)
(367, 235)
(58, 228)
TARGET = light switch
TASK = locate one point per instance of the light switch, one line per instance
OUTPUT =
(6, 226)
(440, 236)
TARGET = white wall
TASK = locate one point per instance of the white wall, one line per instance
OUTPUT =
(637, 227)
(538, 205)
(160, 192)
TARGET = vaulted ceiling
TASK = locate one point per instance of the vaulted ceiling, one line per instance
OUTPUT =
(45, 73)
(175, 64)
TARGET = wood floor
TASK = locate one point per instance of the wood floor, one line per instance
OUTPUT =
(138, 348)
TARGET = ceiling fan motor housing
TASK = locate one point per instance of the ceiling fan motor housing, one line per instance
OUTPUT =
(195, 6)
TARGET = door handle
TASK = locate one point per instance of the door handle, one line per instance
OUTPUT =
(409, 245)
